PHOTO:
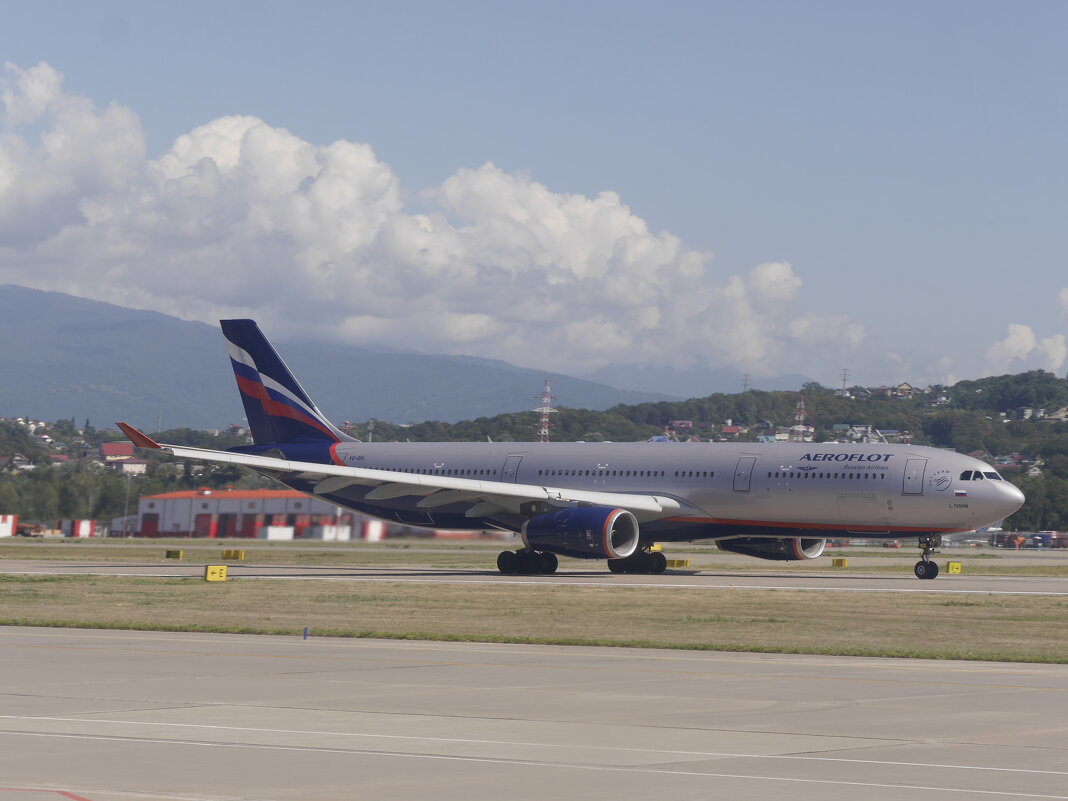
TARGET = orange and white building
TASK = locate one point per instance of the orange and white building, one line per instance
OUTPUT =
(253, 514)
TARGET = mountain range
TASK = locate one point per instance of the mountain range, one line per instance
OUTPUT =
(69, 357)
(64, 357)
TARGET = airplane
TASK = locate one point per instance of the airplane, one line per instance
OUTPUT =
(608, 500)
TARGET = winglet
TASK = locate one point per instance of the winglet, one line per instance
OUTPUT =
(137, 438)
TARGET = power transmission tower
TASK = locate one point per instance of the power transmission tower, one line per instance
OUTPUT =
(544, 410)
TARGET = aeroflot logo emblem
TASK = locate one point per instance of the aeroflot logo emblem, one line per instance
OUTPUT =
(846, 457)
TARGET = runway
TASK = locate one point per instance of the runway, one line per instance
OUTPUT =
(782, 579)
(127, 716)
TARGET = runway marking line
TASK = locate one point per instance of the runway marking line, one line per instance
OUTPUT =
(61, 793)
(542, 764)
(526, 744)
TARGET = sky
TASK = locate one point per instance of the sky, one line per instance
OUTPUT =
(603, 188)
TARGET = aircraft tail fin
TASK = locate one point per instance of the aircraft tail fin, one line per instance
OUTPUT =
(277, 407)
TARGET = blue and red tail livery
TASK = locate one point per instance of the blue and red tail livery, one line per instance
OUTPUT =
(277, 407)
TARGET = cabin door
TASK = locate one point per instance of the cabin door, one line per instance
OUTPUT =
(914, 470)
(511, 468)
(743, 473)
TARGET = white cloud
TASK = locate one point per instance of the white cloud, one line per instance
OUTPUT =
(1017, 344)
(79, 153)
(1021, 344)
(243, 218)
(774, 281)
(1052, 352)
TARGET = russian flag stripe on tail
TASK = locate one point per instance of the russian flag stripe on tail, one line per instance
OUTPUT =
(277, 407)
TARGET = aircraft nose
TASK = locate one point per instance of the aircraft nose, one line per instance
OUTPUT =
(1010, 498)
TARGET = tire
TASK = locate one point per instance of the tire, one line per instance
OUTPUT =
(617, 565)
(527, 563)
(549, 563)
(659, 562)
(507, 562)
(926, 570)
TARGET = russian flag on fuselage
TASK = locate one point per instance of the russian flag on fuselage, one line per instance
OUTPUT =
(277, 407)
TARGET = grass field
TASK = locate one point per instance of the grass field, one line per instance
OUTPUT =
(1012, 628)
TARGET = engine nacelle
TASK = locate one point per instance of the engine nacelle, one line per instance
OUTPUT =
(793, 549)
(584, 532)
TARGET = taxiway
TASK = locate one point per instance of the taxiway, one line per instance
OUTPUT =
(128, 716)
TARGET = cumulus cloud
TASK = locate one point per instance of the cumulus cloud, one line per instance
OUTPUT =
(80, 153)
(1020, 343)
(1052, 352)
(240, 217)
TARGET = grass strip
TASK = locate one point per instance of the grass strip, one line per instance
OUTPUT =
(991, 628)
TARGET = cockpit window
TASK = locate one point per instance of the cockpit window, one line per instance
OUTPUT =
(966, 475)
(992, 475)
(977, 476)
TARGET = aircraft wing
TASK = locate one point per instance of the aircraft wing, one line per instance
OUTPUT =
(483, 496)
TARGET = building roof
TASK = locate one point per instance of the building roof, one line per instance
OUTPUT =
(117, 449)
(240, 495)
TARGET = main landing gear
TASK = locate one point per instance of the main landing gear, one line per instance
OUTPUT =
(640, 561)
(925, 568)
(527, 562)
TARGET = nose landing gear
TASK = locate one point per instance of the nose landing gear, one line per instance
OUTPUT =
(925, 568)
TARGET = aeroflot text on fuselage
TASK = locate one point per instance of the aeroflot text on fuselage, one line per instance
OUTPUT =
(846, 457)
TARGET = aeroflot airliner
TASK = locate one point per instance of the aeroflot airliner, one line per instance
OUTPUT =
(608, 500)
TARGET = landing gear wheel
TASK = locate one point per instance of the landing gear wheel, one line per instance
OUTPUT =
(549, 563)
(507, 563)
(643, 562)
(529, 562)
(926, 570)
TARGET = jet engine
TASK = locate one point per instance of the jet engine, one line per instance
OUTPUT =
(793, 549)
(584, 532)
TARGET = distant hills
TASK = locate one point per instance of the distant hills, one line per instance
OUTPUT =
(63, 356)
(693, 383)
